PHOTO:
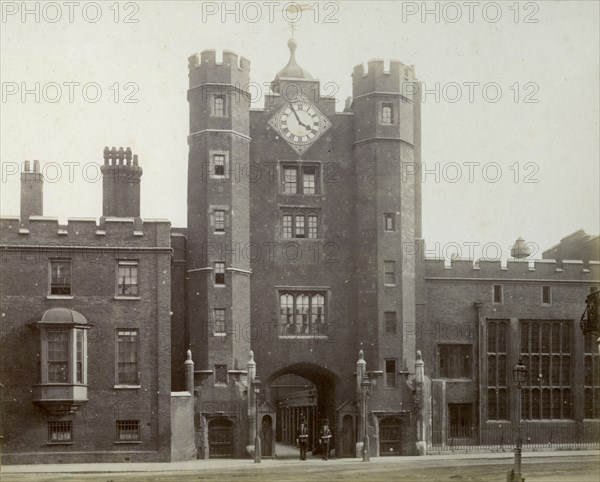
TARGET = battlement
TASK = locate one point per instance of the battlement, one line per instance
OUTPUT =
(204, 68)
(375, 78)
(85, 232)
(515, 269)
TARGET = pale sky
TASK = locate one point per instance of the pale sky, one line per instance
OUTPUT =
(554, 141)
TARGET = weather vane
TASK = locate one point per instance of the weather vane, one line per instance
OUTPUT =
(295, 9)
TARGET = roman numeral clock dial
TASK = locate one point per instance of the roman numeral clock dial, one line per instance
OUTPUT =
(300, 123)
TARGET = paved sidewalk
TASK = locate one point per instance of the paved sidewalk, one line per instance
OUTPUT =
(195, 465)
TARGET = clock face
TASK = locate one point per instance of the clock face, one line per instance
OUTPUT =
(300, 123)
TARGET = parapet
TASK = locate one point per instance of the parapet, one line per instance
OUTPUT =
(375, 78)
(233, 69)
(515, 269)
(85, 232)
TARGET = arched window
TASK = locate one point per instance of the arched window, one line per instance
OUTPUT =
(302, 307)
(387, 114)
(302, 313)
(219, 106)
(318, 309)
(287, 309)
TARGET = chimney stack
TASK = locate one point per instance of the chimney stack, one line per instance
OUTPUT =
(120, 183)
(32, 190)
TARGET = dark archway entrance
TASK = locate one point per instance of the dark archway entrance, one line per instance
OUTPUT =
(302, 391)
(220, 438)
(266, 436)
(390, 436)
(348, 443)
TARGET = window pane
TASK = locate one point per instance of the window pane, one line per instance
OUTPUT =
(566, 371)
(299, 226)
(389, 272)
(219, 164)
(287, 309)
(220, 273)
(491, 337)
(389, 222)
(492, 379)
(302, 307)
(219, 105)
(390, 322)
(221, 374)
(545, 347)
(546, 294)
(545, 403)
(60, 431)
(58, 356)
(128, 430)
(566, 403)
(219, 320)
(497, 294)
(390, 373)
(387, 114)
(290, 180)
(566, 338)
(219, 220)
(287, 226)
(555, 338)
(127, 357)
(309, 180)
(502, 371)
(501, 337)
(465, 367)
(317, 309)
(127, 279)
(556, 403)
(313, 230)
(492, 405)
(502, 405)
(60, 277)
(79, 360)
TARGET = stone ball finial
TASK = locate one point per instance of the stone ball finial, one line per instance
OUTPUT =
(292, 44)
(520, 250)
(419, 355)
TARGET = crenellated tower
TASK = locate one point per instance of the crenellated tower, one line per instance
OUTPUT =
(218, 213)
(388, 211)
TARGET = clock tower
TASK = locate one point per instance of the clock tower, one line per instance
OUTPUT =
(298, 215)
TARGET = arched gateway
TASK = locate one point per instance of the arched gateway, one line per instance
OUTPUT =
(302, 391)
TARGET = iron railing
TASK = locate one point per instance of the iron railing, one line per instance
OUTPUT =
(502, 437)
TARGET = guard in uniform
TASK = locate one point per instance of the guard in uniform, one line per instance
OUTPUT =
(303, 438)
(325, 437)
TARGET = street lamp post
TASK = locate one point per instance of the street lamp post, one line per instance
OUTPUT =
(519, 373)
(256, 385)
(365, 385)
